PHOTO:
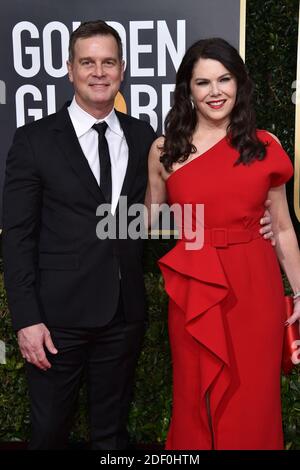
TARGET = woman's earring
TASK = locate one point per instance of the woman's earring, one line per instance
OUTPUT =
(192, 103)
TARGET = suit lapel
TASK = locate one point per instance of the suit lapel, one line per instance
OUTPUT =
(65, 136)
(133, 154)
(68, 142)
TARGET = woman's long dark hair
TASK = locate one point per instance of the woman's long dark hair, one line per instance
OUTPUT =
(181, 120)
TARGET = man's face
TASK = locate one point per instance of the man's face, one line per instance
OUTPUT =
(96, 73)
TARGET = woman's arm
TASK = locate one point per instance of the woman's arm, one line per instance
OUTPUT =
(156, 189)
(287, 248)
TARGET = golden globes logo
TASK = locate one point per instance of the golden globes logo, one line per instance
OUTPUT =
(154, 49)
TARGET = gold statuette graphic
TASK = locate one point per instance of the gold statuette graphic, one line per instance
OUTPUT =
(120, 103)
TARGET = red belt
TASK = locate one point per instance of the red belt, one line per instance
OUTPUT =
(222, 237)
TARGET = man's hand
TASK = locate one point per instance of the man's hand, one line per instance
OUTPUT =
(31, 343)
(266, 222)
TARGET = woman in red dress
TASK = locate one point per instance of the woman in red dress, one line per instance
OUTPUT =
(226, 309)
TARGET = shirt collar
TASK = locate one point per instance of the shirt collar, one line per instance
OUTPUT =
(83, 121)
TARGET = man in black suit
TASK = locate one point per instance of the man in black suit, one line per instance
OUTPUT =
(77, 302)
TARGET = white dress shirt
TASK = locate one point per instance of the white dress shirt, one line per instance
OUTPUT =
(88, 139)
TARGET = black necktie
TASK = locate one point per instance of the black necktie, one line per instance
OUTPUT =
(104, 159)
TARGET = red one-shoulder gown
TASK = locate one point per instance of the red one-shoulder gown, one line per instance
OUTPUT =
(226, 307)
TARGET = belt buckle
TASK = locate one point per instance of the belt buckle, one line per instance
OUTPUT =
(219, 237)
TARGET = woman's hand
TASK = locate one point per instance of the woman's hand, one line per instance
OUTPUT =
(296, 314)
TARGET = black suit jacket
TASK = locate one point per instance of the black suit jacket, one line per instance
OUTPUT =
(56, 269)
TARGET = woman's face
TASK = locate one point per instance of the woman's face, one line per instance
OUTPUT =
(213, 91)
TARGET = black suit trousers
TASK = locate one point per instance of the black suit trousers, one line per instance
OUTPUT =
(106, 356)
